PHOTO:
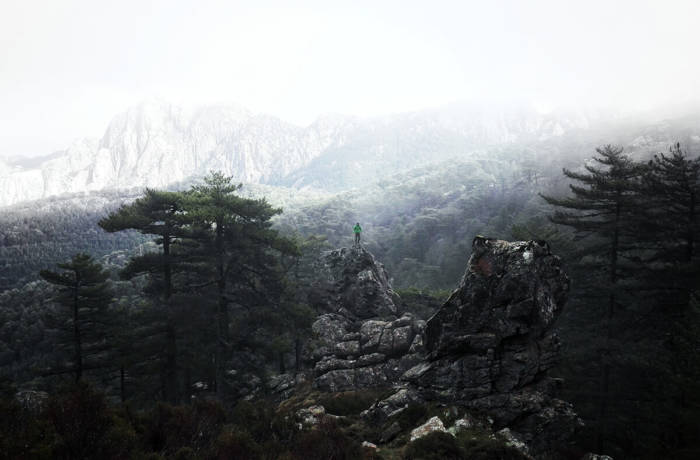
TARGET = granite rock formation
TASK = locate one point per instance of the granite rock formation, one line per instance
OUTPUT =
(489, 346)
(363, 340)
(486, 350)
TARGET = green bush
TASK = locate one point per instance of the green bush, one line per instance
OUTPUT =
(255, 418)
(233, 443)
(152, 456)
(478, 445)
(81, 420)
(170, 428)
(186, 453)
(22, 433)
(326, 442)
(121, 440)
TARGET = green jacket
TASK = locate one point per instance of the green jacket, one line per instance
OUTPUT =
(357, 229)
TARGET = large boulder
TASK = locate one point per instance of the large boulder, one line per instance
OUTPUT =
(489, 346)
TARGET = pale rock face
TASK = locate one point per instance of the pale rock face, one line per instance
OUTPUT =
(434, 424)
(157, 144)
(21, 186)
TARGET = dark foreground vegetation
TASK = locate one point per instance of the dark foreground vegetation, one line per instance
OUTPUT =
(149, 340)
(78, 422)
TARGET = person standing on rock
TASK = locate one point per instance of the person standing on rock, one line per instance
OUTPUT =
(357, 229)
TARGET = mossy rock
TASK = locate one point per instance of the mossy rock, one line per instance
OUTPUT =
(434, 446)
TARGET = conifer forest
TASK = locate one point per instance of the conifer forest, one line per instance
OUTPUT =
(309, 230)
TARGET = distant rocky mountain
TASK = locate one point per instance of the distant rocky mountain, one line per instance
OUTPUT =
(157, 144)
(377, 147)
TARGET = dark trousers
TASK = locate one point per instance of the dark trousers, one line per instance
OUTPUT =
(357, 239)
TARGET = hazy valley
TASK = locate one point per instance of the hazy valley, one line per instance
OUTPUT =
(434, 191)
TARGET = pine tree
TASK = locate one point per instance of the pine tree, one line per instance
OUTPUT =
(301, 274)
(601, 209)
(672, 222)
(157, 213)
(241, 251)
(84, 291)
(671, 230)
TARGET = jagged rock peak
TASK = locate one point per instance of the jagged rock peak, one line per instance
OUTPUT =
(353, 284)
(509, 289)
(489, 346)
(361, 341)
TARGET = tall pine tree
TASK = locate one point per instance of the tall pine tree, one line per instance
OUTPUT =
(84, 293)
(670, 228)
(240, 252)
(157, 213)
(600, 209)
(672, 223)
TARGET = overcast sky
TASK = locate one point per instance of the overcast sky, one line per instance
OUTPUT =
(67, 67)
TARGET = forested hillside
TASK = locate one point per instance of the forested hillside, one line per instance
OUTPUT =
(34, 236)
(625, 226)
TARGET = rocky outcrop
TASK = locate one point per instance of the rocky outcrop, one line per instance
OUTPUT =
(486, 350)
(489, 346)
(351, 283)
(363, 340)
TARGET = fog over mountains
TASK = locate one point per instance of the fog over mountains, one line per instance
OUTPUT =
(156, 144)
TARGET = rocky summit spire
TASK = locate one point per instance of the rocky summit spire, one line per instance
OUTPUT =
(362, 341)
(352, 283)
(489, 346)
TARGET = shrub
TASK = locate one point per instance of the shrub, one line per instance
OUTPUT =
(81, 421)
(326, 442)
(186, 453)
(480, 446)
(120, 440)
(22, 434)
(233, 443)
(255, 418)
(170, 428)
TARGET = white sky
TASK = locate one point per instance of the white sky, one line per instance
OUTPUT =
(67, 67)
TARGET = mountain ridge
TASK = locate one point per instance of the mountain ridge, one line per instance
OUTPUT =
(156, 144)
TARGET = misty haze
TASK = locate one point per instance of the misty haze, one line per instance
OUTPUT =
(378, 230)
